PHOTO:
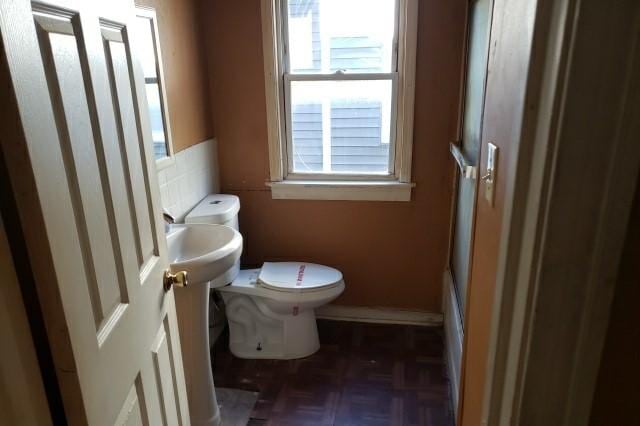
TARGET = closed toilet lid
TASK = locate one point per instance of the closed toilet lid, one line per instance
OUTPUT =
(298, 276)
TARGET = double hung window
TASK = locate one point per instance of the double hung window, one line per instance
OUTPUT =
(340, 96)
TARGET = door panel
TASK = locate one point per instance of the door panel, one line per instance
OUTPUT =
(163, 363)
(131, 413)
(99, 265)
(479, 24)
(88, 144)
(125, 108)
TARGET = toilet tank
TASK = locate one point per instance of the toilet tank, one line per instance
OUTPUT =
(217, 209)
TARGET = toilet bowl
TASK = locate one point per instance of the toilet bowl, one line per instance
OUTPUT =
(271, 310)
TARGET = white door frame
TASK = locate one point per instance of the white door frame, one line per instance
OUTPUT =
(561, 244)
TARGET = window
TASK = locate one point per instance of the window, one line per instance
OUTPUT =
(148, 46)
(339, 83)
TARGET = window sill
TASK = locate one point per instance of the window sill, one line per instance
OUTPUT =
(341, 190)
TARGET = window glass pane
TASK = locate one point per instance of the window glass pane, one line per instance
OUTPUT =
(157, 122)
(306, 123)
(341, 126)
(146, 50)
(325, 36)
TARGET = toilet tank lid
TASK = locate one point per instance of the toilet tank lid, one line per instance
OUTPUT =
(298, 276)
(215, 209)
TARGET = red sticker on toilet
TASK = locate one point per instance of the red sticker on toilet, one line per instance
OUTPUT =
(295, 311)
(300, 275)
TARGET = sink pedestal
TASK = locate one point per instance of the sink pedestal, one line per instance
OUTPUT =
(192, 305)
(206, 252)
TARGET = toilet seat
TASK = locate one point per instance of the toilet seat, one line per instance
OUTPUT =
(298, 277)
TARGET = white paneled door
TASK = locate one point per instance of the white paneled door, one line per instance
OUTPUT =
(78, 151)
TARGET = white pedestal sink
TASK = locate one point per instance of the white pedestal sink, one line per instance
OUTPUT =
(204, 252)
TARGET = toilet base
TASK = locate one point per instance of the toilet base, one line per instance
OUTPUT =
(256, 332)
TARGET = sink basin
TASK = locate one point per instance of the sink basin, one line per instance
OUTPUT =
(205, 251)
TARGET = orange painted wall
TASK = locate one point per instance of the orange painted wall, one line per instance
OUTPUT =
(185, 73)
(391, 254)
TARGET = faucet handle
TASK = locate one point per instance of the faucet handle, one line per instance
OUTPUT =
(168, 217)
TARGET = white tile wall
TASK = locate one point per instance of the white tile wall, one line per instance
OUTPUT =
(192, 176)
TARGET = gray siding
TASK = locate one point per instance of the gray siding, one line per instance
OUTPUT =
(356, 137)
(357, 54)
(355, 124)
(307, 137)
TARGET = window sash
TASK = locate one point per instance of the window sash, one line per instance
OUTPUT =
(341, 76)
(288, 77)
(284, 40)
(288, 130)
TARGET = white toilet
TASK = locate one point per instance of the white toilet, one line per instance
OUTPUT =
(271, 309)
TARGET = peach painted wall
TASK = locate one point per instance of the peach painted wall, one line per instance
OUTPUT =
(185, 73)
(391, 254)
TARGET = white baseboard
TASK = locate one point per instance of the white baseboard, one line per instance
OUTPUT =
(453, 335)
(379, 315)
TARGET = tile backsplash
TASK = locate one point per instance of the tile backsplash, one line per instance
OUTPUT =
(192, 176)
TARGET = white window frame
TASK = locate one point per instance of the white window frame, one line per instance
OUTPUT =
(150, 13)
(395, 186)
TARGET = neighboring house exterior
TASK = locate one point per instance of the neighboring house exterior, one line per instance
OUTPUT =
(356, 140)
